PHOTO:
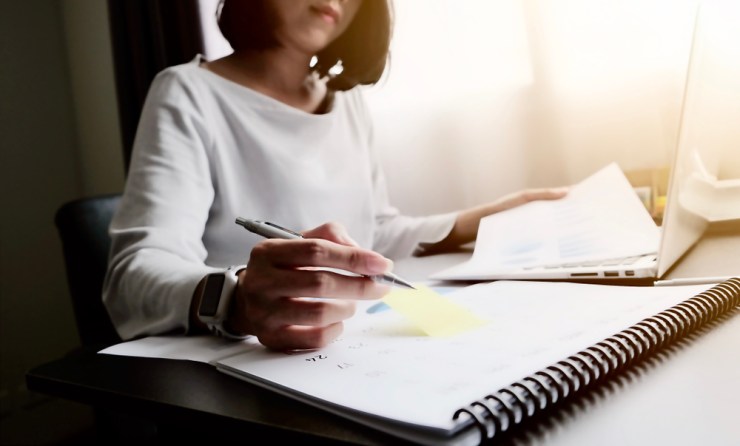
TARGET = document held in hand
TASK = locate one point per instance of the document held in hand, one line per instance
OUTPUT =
(601, 218)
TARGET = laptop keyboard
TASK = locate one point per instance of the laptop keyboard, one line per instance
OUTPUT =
(624, 261)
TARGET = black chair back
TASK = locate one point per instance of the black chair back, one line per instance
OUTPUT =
(82, 225)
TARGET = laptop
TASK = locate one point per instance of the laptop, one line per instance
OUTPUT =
(571, 239)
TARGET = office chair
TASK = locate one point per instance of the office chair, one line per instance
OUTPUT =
(82, 225)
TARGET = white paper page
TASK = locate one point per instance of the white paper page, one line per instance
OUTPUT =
(206, 348)
(384, 366)
(601, 218)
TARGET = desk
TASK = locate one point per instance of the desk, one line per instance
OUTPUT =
(687, 395)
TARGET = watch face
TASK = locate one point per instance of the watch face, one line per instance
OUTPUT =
(211, 295)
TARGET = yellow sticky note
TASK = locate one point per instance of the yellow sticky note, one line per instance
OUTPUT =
(433, 313)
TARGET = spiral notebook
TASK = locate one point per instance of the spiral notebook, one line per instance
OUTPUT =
(541, 344)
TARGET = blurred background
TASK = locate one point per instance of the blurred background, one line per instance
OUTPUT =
(481, 98)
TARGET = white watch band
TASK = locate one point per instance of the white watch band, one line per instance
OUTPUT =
(216, 296)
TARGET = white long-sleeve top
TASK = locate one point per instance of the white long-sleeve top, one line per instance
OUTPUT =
(208, 150)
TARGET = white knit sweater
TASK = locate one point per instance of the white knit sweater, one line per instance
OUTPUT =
(208, 150)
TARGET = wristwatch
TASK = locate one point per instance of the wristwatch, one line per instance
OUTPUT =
(215, 299)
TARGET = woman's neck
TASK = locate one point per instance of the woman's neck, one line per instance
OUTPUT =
(282, 75)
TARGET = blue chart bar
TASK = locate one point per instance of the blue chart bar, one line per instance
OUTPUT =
(382, 306)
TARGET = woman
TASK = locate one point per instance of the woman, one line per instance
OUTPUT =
(269, 132)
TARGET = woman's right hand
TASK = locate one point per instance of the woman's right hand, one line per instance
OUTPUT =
(288, 300)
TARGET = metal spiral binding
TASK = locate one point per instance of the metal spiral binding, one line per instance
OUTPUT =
(498, 412)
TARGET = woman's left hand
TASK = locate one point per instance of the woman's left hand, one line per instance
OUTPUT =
(522, 197)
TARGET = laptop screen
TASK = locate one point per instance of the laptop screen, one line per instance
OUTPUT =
(709, 134)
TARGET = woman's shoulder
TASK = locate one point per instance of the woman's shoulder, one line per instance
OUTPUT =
(183, 76)
(185, 85)
(354, 102)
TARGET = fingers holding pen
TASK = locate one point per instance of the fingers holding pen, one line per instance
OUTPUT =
(282, 322)
(313, 283)
(276, 314)
(288, 299)
(316, 252)
(296, 268)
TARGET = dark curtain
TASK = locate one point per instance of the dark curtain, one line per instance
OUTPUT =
(148, 36)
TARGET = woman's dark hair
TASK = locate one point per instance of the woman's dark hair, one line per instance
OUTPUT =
(362, 48)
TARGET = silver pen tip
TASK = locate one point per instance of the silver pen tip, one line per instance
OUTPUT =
(400, 281)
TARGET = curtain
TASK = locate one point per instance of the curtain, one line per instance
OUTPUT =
(148, 36)
(483, 98)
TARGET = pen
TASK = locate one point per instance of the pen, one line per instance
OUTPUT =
(271, 230)
(691, 281)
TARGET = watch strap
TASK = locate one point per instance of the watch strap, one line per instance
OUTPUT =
(216, 325)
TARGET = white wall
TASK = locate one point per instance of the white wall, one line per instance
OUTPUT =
(60, 141)
(87, 38)
(38, 172)
(484, 98)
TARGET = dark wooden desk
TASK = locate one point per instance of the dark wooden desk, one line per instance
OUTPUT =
(193, 400)
(687, 395)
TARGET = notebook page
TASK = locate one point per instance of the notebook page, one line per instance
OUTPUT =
(382, 365)
(205, 348)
